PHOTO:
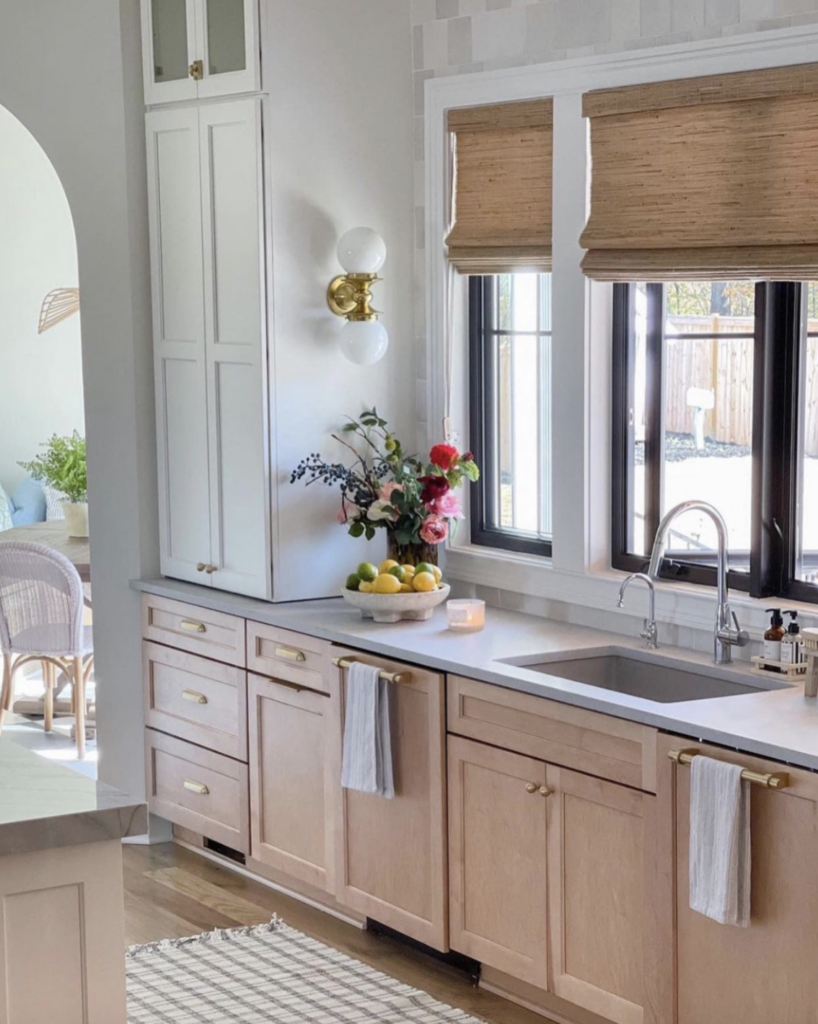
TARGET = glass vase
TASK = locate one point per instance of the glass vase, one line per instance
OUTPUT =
(411, 554)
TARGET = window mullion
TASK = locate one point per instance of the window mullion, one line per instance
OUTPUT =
(653, 411)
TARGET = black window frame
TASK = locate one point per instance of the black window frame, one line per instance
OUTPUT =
(482, 419)
(780, 311)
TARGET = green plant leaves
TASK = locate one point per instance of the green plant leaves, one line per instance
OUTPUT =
(62, 466)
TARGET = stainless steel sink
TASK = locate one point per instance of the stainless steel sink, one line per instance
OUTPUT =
(664, 684)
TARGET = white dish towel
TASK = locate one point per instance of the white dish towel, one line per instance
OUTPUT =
(367, 762)
(719, 842)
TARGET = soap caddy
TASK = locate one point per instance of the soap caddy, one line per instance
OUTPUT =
(780, 669)
(416, 607)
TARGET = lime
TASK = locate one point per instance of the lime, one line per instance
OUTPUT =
(424, 567)
(398, 572)
(386, 583)
(390, 563)
(353, 581)
(367, 572)
(424, 582)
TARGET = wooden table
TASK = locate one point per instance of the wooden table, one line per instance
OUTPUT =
(55, 535)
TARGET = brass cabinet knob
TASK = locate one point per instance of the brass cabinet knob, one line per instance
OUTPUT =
(545, 791)
(531, 789)
(200, 567)
(210, 569)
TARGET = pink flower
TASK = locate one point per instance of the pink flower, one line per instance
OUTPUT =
(448, 505)
(388, 490)
(435, 530)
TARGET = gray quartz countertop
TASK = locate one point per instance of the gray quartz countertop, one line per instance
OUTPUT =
(45, 805)
(776, 723)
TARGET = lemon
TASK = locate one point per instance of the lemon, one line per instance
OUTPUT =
(425, 582)
(398, 572)
(437, 573)
(424, 567)
(367, 571)
(353, 581)
(408, 569)
(386, 583)
(364, 587)
(384, 567)
(407, 588)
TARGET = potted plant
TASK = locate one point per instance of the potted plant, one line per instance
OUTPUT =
(63, 467)
(413, 501)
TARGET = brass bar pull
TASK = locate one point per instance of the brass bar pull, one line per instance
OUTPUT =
(296, 687)
(290, 654)
(192, 626)
(390, 677)
(194, 697)
(196, 787)
(775, 780)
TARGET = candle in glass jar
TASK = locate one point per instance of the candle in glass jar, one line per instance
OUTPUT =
(466, 616)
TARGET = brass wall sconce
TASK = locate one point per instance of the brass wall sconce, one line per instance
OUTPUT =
(364, 339)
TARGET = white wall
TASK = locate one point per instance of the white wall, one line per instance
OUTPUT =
(40, 376)
(340, 153)
(71, 72)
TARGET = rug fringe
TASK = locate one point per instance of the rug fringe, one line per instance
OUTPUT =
(217, 935)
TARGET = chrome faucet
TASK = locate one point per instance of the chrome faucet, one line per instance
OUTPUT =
(649, 631)
(727, 633)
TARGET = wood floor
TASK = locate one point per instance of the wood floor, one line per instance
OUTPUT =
(171, 892)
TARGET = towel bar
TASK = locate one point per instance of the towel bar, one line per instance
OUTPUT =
(778, 780)
(390, 677)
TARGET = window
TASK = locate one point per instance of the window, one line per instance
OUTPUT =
(716, 397)
(510, 394)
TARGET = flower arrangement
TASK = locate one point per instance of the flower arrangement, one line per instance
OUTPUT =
(385, 488)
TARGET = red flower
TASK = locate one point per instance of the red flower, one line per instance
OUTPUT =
(444, 456)
(468, 457)
(434, 487)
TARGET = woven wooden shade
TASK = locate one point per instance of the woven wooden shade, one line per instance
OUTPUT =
(708, 178)
(502, 188)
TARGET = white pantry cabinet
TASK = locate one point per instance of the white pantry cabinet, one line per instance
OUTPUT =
(205, 190)
(199, 49)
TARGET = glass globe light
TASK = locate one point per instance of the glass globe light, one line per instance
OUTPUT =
(362, 251)
(364, 342)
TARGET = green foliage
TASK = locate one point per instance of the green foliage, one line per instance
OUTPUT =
(62, 466)
(711, 298)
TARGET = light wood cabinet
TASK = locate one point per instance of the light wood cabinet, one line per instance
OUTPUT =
(764, 973)
(295, 764)
(205, 191)
(199, 49)
(497, 859)
(391, 854)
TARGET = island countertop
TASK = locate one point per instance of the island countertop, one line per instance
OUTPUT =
(777, 723)
(44, 805)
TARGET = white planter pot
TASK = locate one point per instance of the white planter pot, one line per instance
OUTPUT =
(76, 518)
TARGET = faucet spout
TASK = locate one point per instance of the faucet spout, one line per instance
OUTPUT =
(726, 634)
(649, 632)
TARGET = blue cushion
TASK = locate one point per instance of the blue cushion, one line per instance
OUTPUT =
(28, 503)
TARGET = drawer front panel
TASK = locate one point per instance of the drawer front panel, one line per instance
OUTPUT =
(293, 657)
(199, 790)
(196, 630)
(204, 702)
(593, 743)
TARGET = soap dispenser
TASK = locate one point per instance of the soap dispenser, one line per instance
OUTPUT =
(772, 639)
(791, 644)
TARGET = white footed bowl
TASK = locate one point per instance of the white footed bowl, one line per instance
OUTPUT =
(415, 607)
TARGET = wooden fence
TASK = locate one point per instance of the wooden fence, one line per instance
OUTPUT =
(725, 365)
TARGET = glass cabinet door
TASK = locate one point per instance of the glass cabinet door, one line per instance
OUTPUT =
(228, 42)
(168, 43)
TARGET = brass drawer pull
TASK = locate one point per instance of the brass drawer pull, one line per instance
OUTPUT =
(776, 780)
(290, 654)
(194, 697)
(296, 687)
(196, 787)
(192, 626)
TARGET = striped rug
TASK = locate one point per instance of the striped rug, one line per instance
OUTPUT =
(268, 975)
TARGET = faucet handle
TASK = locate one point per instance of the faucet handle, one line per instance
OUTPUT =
(734, 635)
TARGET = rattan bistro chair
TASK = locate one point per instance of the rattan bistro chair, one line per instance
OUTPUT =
(41, 619)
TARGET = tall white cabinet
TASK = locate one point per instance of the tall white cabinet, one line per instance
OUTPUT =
(206, 197)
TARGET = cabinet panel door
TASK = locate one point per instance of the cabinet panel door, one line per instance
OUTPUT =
(294, 767)
(236, 345)
(598, 885)
(391, 854)
(168, 49)
(228, 44)
(765, 972)
(174, 197)
(497, 859)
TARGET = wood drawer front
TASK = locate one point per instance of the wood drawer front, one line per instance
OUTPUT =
(201, 701)
(199, 790)
(293, 657)
(589, 742)
(196, 630)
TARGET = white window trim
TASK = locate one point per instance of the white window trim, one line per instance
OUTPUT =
(579, 571)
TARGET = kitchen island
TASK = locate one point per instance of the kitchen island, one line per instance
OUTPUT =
(61, 896)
